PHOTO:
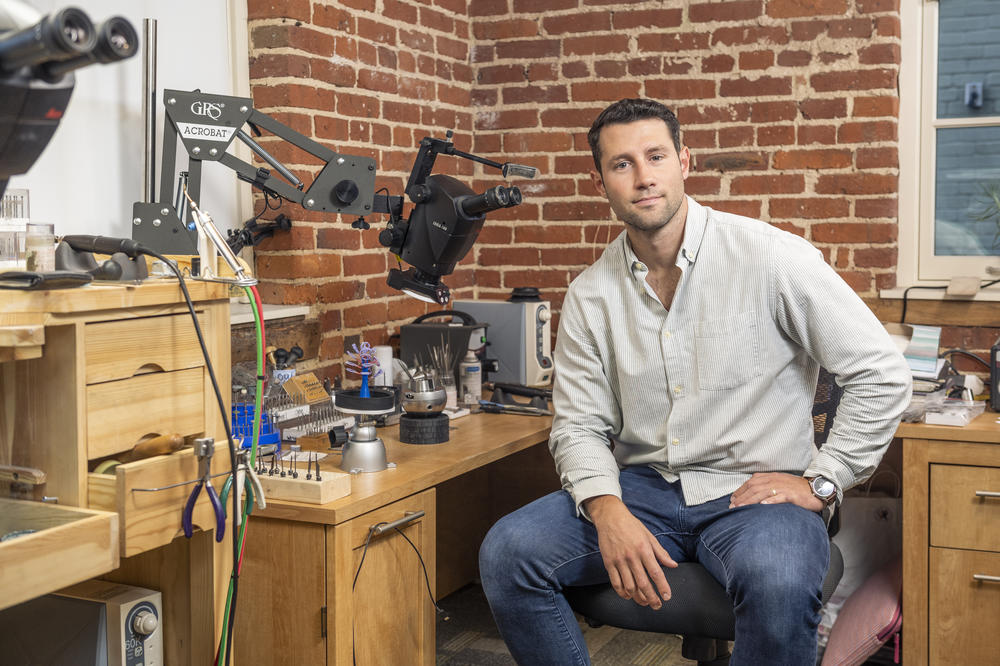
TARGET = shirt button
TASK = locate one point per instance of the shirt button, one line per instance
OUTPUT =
(675, 441)
(678, 388)
(666, 334)
(639, 266)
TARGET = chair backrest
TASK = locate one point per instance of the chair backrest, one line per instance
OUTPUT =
(825, 403)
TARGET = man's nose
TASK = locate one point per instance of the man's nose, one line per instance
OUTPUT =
(644, 176)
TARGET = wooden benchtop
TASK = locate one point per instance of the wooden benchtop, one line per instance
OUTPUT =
(983, 428)
(476, 440)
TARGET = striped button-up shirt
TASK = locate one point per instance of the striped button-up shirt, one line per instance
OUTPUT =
(720, 385)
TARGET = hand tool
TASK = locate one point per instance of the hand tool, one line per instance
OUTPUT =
(246, 479)
(153, 446)
(29, 475)
(203, 449)
(498, 408)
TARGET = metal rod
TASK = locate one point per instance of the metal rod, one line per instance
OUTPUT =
(986, 579)
(176, 485)
(267, 157)
(149, 109)
(408, 518)
(987, 493)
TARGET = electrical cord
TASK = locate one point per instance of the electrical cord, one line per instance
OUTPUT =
(967, 354)
(219, 400)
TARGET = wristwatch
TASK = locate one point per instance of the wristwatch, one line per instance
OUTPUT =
(824, 489)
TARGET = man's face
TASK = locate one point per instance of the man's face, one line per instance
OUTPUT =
(642, 175)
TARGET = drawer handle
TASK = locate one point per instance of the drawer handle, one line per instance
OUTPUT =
(983, 578)
(987, 493)
(385, 527)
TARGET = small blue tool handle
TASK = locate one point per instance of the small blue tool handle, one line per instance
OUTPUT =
(220, 515)
(189, 511)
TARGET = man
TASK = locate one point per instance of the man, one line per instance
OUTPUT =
(693, 344)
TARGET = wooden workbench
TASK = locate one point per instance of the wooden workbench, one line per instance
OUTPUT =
(298, 601)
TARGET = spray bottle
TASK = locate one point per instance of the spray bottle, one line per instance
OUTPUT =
(470, 374)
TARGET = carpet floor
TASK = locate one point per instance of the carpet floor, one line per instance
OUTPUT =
(470, 638)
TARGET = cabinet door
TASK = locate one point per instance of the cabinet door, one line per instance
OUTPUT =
(282, 595)
(964, 612)
(387, 616)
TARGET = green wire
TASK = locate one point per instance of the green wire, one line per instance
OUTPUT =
(258, 404)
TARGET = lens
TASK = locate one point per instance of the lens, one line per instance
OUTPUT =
(116, 40)
(59, 36)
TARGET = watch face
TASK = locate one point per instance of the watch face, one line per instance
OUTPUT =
(823, 488)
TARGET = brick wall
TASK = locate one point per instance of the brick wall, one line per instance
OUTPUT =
(789, 107)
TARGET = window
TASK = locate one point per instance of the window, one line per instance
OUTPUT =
(949, 140)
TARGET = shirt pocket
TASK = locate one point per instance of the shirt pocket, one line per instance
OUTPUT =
(728, 351)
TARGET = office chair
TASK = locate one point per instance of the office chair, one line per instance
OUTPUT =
(700, 611)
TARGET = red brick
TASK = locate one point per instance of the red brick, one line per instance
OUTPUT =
(489, 7)
(535, 6)
(452, 48)
(575, 70)
(569, 256)
(876, 106)
(270, 65)
(528, 49)
(876, 208)
(790, 228)
(829, 57)
(676, 65)
(291, 36)
(566, 211)
(670, 89)
(414, 88)
(535, 94)
(365, 264)
(737, 10)
(297, 265)
(357, 105)
(514, 119)
(672, 42)
(749, 34)
(299, 237)
(806, 31)
(745, 161)
(610, 69)
(505, 29)
(702, 185)
(877, 6)
(809, 208)
(796, 8)
(379, 81)
(880, 54)
(604, 90)
(341, 291)
(868, 79)
(577, 22)
(768, 184)
(756, 59)
(877, 158)
(375, 31)
(867, 132)
(281, 293)
(399, 11)
(435, 20)
(720, 62)
(295, 96)
(730, 137)
(812, 159)
(850, 28)
(887, 26)
(706, 115)
(857, 183)
(825, 134)
(574, 165)
(338, 74)
(813, 109)
(509, 256)
(363, 5)
(644, 66)
(700, 138)
(875, 257)
(536, 278)
(595, 45)
(769, 112)
(365, 315)
(794, 58)
(738, 207)
(572, 117)
(501, 74)
(649, 18)
(273, 9)
(536, 142)
(859, 281)
(780, 135)
(764, 85)
(854, 232)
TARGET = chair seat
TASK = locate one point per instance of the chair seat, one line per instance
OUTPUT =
(699, 605)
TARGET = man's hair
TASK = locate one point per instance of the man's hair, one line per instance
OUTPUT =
(628, 111)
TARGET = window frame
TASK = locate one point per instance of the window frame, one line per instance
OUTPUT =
(917, 264)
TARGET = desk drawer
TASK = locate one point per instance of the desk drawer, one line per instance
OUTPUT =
(120, 413)
(959, 517)
(126, 347)
(964, 613)
(420, 502)
(149, 519)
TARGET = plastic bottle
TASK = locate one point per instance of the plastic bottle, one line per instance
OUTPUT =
(470, 374)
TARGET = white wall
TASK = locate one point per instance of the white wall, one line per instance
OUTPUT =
(90, 174)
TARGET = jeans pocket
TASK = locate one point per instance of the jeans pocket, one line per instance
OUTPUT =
(728, 351)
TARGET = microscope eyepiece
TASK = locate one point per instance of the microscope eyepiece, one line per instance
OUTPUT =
(64, 34)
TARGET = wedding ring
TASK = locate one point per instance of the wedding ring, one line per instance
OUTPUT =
(773, 492)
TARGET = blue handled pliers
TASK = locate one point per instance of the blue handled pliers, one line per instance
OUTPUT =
(203, 449)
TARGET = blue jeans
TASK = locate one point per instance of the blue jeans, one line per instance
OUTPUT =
(772, 560)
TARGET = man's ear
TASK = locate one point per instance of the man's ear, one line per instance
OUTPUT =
(685, 159)
(598, 182)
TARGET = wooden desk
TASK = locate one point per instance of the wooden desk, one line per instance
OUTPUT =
(298, 602)
(949, 535)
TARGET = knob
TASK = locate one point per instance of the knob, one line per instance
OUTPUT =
(544, 315)
(345, 192)
(144, 623)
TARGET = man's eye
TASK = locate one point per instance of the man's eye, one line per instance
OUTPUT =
(656, 158)
(620, 165)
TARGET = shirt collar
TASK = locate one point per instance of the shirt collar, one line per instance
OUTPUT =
(694, 232)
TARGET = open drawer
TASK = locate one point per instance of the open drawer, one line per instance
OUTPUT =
(68, 545)
(148, 503)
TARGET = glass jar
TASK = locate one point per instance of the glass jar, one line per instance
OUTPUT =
(40, 248)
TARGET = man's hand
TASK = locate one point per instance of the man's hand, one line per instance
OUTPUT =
(632, 555)
(776, 488)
